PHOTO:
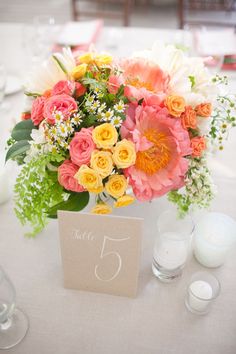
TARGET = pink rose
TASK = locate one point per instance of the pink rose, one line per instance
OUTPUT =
(79, 89)
(81, 147)
(114, 83)
(64, 104)
(66, 173)
(37, 110)
(64, 86)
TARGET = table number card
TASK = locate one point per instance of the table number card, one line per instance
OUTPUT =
(100, 253)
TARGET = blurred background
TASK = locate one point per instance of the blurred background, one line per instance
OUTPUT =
(140, 13)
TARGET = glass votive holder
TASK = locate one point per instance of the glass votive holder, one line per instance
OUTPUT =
(214, 236)
(171, 246)
(202, 290)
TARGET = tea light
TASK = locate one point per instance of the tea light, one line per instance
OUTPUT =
(5, 192)
(200, 291)
(215, 234)
(203, 289)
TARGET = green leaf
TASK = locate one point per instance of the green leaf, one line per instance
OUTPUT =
(60, 64)
(17, 149)
(75, 202)
(120, 92)
(22, 130)
(192, 80)
(32, 94)
(89, 121)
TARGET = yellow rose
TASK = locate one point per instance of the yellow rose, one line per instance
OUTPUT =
(101, 161)
(105, 136)
(79, 71)
(103, 59)
(86, 58)
(124, 154)
(101, 208)
(116, 186)
(124, 201)
(89, 179)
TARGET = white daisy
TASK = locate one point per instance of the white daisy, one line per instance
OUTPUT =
(119, 107)
(116, 121)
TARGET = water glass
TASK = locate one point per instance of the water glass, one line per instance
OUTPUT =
(13, 322)
(172, 245)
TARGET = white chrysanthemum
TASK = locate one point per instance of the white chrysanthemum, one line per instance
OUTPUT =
(180, 68)
(56, 68)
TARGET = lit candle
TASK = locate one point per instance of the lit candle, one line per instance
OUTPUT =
(170, 253)
(199, 292)
(5, 192)
(214, 235)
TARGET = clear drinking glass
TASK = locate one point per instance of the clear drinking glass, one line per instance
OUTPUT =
(203, 289)
(13, 322)
(172, 245)
(45, 31)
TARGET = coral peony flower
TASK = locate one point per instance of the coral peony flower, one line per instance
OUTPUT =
(63, 87)
(66, 173)
(64, 104)
(198, 144)
(89, 179)
(189, 118)
(101, 208)
(175, 105)
(37, 111)
(141, 78)
(204, 109)
(161, 145)
(81, 147)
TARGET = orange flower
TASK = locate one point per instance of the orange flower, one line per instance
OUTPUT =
(47, 93)
(189, 118)
(25, 115)
(175, 105)
(198, 144)
(204, 109)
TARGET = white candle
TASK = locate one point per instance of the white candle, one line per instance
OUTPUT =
(5, 192)
(200, 291)
(214, 236)
(170, 252)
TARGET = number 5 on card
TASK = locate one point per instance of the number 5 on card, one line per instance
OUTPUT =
(100, 253)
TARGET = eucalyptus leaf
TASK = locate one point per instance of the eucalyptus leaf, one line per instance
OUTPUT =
(75, 202)
(22, 130)
(17, 149)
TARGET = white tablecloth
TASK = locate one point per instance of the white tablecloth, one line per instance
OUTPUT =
(64, 321)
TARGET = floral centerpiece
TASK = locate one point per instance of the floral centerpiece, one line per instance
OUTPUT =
(133, 129)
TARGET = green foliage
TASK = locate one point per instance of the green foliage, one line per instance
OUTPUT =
(19, 148)
(22, 130)
(182, 202)
(36, 190)
(75, 202)
(192, 80)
